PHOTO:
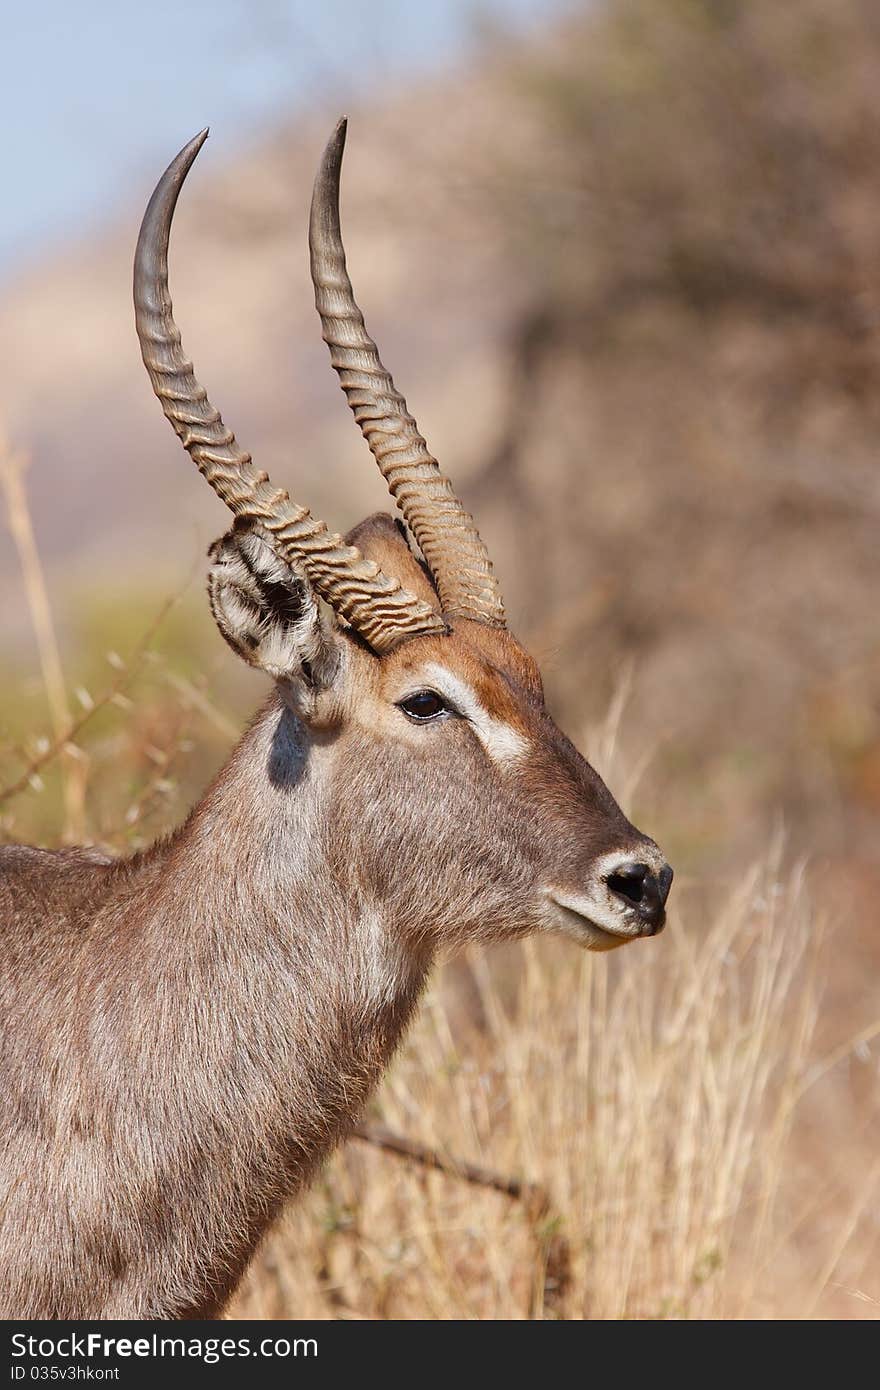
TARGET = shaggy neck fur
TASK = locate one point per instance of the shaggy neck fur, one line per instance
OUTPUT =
(208, 1034)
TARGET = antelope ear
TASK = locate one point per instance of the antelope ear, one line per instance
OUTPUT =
(269, 615)
(382, 539)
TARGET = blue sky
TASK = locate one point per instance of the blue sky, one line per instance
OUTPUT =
(91, 90)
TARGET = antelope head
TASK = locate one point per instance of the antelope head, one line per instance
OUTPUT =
(451, 798)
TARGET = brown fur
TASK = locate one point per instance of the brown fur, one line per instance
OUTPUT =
(187, 1034)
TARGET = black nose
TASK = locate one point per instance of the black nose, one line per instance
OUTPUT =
(643, 890)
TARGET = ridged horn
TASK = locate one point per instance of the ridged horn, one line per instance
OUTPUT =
(446, 533)
(373, 603)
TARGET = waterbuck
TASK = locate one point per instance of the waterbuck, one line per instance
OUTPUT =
(186, 1034)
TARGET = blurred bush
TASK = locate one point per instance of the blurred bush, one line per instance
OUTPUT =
(689, 223)
(718, 157)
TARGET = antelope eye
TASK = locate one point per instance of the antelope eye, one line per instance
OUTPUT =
(424, 705)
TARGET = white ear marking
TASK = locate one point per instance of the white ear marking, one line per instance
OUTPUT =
(502, 742)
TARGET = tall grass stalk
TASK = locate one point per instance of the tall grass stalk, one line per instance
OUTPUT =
(72, 760)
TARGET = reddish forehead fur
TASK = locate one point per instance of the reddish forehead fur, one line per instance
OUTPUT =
(491, 661)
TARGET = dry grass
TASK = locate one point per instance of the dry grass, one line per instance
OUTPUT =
(660, 1096)
(669, 1100)
(71, 758)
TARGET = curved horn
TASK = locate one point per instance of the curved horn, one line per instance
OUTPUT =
(375, 605)
(446, 533)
